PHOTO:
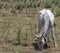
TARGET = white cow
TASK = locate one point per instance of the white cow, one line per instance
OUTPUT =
(45, 25)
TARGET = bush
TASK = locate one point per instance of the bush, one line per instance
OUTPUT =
(52, 1)
(28, 3)
(56, 2)
(48, 4)
(59, 4)
(57, 12)
(13, 11)
(4, 14)
(4, 0)
(19, 5)
(34, 4)
(19, 36)
(1, 5)
(38, 3)
(25, 39)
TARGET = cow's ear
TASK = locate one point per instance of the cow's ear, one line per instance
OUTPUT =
(37, 36)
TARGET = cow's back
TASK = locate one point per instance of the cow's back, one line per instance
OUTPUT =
(46, 17)
(50, 16)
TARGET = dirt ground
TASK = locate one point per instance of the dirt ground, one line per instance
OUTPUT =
(27, 21)
(10, 48)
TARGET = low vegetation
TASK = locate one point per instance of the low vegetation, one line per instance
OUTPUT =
(57, 12)
(19, 36)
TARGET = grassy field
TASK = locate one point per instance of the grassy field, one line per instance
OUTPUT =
(17, 28)
(11, 24)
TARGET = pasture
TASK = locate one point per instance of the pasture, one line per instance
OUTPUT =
(17, 28)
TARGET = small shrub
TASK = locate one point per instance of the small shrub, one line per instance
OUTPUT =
(38, 3)
(4, 14)
(13, 11)
(28, 3)
(21, 51)
(19, 36)
(57, 12)
(5, 6)
(4, 0)
(20, 5)
(59, 5)
(52, 1)
(56, 2)
(13, 50)
(34, 4)
(48, 4)
(25, 40)
(1, 5)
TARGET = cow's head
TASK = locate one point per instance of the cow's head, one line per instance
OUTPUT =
(41, 40)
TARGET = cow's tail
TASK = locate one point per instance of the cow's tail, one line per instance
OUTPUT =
(55, 27)
(54, 24)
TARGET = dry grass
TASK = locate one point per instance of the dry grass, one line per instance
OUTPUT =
(26, 20)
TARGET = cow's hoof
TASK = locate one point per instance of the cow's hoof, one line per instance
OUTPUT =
(56, 46)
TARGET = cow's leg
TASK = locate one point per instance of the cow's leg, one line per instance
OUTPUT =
(49, 39)
(48, 36)
(54, 38)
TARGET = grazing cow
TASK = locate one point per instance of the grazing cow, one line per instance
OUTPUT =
(45, 25)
